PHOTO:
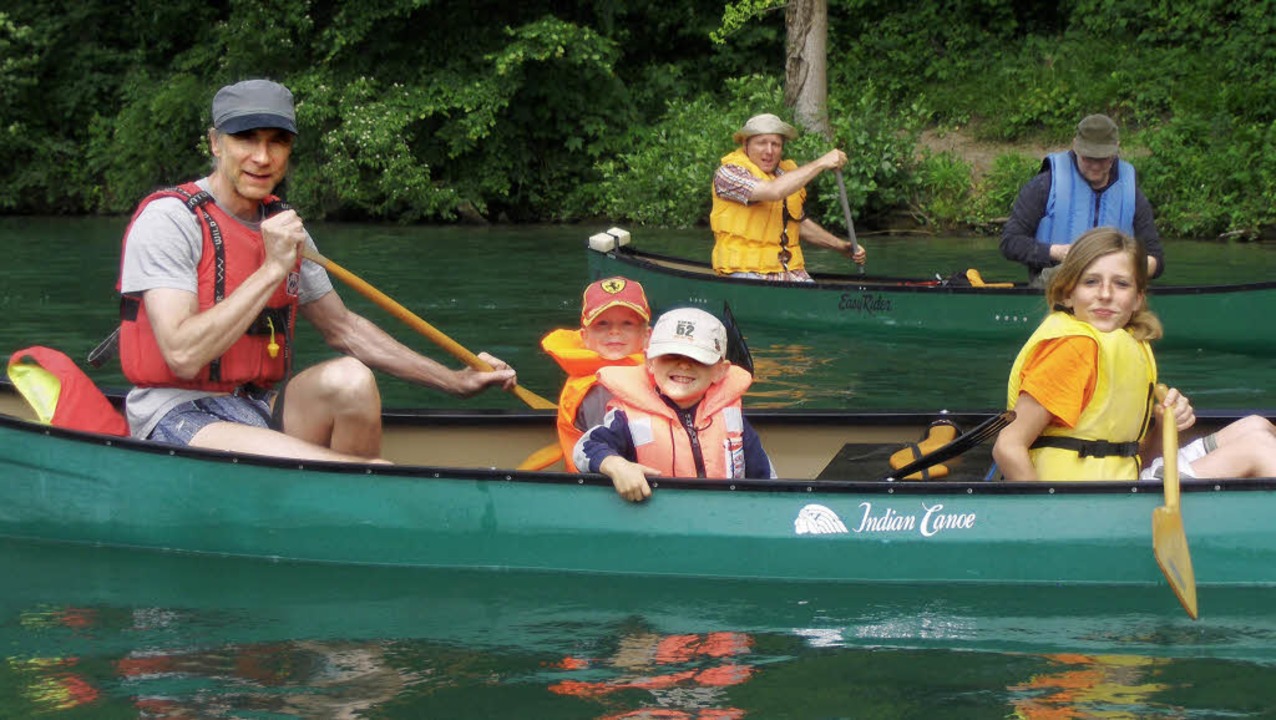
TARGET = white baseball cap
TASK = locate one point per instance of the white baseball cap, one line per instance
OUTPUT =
(691, 333)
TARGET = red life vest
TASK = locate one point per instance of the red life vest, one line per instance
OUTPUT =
(581, 365)
(660, 439)
(231, 253)
(62, 395)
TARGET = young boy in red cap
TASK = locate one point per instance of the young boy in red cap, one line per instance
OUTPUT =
(614, 325)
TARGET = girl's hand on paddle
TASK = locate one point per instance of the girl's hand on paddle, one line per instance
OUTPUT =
(474, 381)
(630, 478)
(283, 235)
(1179, 408)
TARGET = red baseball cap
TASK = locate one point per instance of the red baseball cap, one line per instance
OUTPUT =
(609, 292)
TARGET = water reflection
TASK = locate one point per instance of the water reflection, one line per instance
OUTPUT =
(94, 633)
(1111, 687)
(677, 677)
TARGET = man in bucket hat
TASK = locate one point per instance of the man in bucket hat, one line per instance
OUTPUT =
(758, 201)
(212, 280)
(1076, 190)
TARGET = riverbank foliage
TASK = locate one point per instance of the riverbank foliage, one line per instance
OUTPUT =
(412, 110)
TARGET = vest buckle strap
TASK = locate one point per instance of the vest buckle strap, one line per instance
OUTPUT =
(1089, 448)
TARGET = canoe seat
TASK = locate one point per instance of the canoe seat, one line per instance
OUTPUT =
(940, 433)
(874, 461)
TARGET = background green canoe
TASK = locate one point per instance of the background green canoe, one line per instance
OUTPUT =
(1216, 317)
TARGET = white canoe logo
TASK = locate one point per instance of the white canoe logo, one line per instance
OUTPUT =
(818, 520)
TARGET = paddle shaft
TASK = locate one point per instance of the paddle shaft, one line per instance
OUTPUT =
(1169, 451)
(388, 304)
(846, 211)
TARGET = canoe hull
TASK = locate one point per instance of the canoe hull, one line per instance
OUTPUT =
(1216, 317)
(71, 487)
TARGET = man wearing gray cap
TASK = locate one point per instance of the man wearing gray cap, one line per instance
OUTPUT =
(1076, 190)
(758, 201)
(212, 280)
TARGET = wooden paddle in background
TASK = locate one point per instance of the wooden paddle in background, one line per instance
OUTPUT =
(1169, 540)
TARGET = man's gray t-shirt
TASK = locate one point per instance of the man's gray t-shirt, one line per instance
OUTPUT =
(163, 250)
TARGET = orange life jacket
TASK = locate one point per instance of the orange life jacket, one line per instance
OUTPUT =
(231, 253)
(581, 365)
(660, 439)
(61, 394)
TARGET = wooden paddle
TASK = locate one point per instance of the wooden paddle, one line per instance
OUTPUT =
(1169, 541)
(846, 210)
(451, 346)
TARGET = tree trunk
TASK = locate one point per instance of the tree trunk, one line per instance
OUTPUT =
(806, 62)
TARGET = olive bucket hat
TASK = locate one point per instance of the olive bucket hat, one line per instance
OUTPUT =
(1097, 137)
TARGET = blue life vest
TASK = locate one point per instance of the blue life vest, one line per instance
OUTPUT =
(1074, 207)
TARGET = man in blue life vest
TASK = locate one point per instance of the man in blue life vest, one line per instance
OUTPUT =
(758, 217)
(212, 280)
(1076, 190)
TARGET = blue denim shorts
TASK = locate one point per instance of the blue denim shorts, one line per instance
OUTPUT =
(180, 424)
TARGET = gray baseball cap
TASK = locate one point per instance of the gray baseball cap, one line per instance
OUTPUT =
(253, 104)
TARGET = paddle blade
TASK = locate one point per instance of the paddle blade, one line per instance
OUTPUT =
(1169, 544)
(737, 350)
(542, 458)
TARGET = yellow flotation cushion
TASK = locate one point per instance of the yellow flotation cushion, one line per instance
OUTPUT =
(939, 434)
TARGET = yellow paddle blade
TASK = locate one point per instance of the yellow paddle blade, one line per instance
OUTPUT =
(40, 387)
(1169, 540)
(1169, 544)
(542, 458)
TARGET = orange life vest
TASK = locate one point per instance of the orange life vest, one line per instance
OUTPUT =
(231, 253)
(660, 439)
(581, 365)
(61, 394)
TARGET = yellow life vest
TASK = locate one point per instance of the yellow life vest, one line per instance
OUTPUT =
(747, 237)
(1118, 412)
(581, 364)
(661, 441)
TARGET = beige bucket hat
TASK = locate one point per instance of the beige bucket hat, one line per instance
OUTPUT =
(764, 124)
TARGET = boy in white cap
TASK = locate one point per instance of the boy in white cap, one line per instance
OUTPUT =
(758, 216)
(212, 281)
(615, 322)
(679, 416)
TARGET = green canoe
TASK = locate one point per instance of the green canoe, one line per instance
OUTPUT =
(1218, 317)
(451, 502)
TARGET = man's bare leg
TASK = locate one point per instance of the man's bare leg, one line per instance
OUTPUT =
(335, 404)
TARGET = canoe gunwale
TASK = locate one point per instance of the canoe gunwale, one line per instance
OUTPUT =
(779, 485)
(670, 265)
